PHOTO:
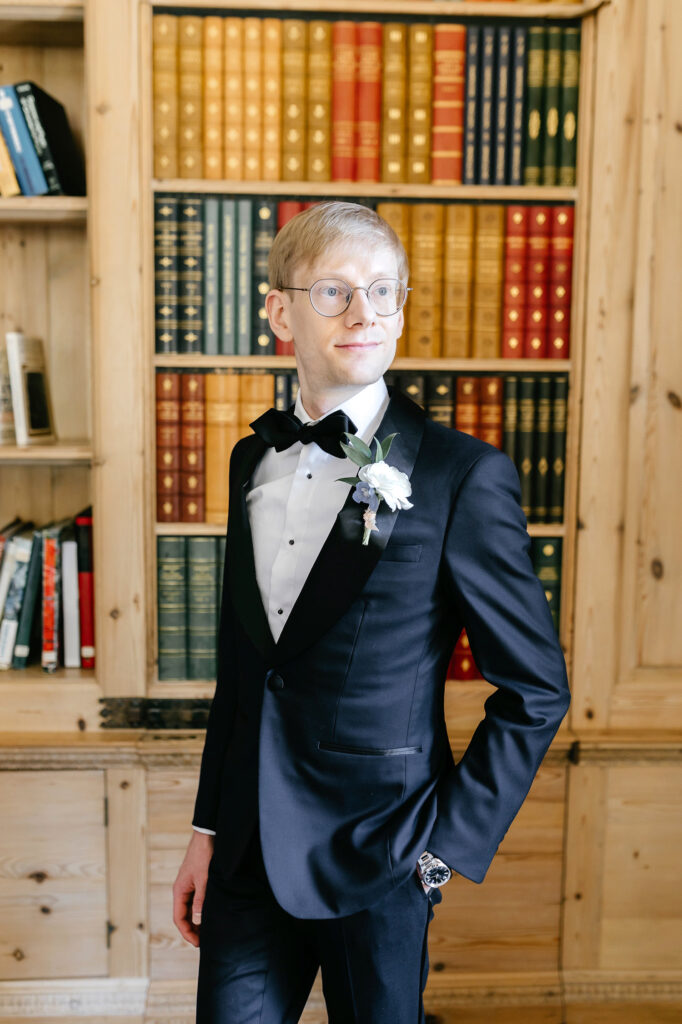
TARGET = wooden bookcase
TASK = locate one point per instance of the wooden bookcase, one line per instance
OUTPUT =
(568, 912)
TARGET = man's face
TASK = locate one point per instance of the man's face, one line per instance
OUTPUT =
(353, 349)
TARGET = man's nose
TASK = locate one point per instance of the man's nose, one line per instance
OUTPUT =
(359, 305)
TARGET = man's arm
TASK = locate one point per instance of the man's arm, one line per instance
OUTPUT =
(503, 607)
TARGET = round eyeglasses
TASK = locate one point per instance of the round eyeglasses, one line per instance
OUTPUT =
(331, 296)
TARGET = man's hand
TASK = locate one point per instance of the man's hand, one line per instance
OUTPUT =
(189, 887)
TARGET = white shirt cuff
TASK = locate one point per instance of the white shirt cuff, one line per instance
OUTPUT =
(206, 831)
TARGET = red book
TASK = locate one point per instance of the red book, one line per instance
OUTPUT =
(539, 227)
(466, 405)
(491, 410)
(86, 587)
(168, 447)
(515, 289)
(343, 100)
(192, 446)
(560, 278)
(368, 100)
(447, 117)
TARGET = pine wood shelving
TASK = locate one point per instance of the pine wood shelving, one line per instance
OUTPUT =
(373, 189)
(440, 8)
(44, 210)
(56, 454)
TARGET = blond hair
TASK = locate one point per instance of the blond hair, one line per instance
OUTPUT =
(309, 234)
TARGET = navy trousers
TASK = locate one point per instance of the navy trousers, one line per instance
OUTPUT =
(257, 963)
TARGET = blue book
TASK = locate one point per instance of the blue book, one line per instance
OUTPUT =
(244, 236)
(470, 163)
(487, 102)
(211, 274)
(502, 104)
(228, 261)
(20, 145)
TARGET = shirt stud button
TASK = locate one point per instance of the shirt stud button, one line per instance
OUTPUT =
(309, 475)
(280, 611)
(291, 542)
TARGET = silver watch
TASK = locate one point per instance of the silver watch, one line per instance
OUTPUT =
(433, 871)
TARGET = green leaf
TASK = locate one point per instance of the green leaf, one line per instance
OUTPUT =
(379, 454)
(347, 479)
(387, 442)
(357, 457)
(356, 442)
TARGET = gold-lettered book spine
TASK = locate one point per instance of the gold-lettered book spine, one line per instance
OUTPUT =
(165, 94)
(190, 74)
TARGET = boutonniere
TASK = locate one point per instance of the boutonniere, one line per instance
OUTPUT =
(376, 480)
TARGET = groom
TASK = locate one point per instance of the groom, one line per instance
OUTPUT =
(330, 810)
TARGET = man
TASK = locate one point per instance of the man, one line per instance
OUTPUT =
(329, 809)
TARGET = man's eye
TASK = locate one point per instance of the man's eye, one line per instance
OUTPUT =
(382, 290)
(331, 291)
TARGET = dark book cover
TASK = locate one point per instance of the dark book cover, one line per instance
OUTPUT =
(52, 605)
(568, 116)
(440, 398)
(202, 602)
(487, 80)
(244, 275)
(557, 457)
(524, 443)
(470, 169)
(502, 108)
(517, 118)
(510, 399)
(166, 271)
(228, 277)
(191, 287)
(534, 117)
(53, 140)
(27, 166)
(414, 385)
(86, 586)
(26, 643)
(543, 417)
(263, 228)
(551, 132)
(545, 553)
(172, 607)
(211, 276)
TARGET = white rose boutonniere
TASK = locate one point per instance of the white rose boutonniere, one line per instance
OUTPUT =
(376, 480)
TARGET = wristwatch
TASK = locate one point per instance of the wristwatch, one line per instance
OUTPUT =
(433, 871)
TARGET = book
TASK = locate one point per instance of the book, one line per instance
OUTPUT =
(192, 444)
(419, 100)
(202, 606)
(52, 602)
(191, 275)
(7, 432)
(9, 186)
(165, 94)
(447, 120)
(53, 140)
(166, 273)
(31, 404)
(368, 101)
(172, 597)
(264, 228)
(190, 99)
(271, 134)
(168, 446)
(212, 97)
(29, 625)
(19, 143)
(86, 589)
(70, 599)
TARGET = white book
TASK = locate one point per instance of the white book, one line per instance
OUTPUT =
(71, 608)
(33, 420)
(20, 550)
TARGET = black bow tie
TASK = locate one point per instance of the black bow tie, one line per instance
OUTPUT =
(282, 429)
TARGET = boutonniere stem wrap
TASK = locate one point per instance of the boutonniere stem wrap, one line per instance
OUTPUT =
(376, 480)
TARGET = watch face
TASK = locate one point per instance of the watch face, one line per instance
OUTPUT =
(438, 874)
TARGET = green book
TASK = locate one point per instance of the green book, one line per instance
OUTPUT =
(172, 607)
(550, 121)
(543, 416)
(535, 81)
(228, 277)
(557, 456)
(524, 443)
(570, 74)
(202, 571)
(264, 230)
(166, 254)
(191, 288)
(30, 628)
(545, 553)
(211, 275)
(244, 236)
(510, 391)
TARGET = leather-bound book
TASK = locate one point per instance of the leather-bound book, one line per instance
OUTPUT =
(510, 407)
(471, 150)
(419, 99)
(394, 103)
(447, 119)
(491, 410)
(515, 285)
(535, 87)
(222, 433)
(202, 598)
(551, 97)
(462, 665)
(168, 446)
(560, 279)
(541, 454)
(263, 235)
(86, 587)
(557, 449)
(398, 216)
(466, 404)
(52, 654)
(426, 263)
(211, 294)
(253, 98)
(368, 100)
(165, 94)
(228, 276)
(243, 276)
(568, 113)
(487, 81)
(502, 103)
(458, 276)
(319, 99)
(488, 282)
(537, 266)
(517, 128)
(294, 111)
(166, 273)
(213, 84)
(343, 100)
(545, 553)
(192, 444)
(256, 395)
(233, 97)
(525, 442)
(414, 385)
(171, 611)
(191, 283)
(190, 98)
(271, 152)
(440, 398)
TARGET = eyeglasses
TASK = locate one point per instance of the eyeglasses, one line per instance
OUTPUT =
(331, 296)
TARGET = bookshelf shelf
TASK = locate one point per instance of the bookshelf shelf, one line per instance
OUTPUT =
(181, 361)
(47, 453)
(41, 24)
(35, 674)
(374, 189)
(214, 529)
(467, 8)
(44, 210)
(182, 688)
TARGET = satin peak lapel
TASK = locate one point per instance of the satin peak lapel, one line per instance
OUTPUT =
(344, 563)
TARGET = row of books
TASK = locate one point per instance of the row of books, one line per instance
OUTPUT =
(25, 405)
(288, 99)
(47, 594)
(38, 153)
(488, 280)
(201, 416)
(189, 587)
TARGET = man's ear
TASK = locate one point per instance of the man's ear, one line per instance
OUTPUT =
(401, 322)
(277, 308)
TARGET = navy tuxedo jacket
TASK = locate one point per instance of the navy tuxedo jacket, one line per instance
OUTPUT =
(333, 738)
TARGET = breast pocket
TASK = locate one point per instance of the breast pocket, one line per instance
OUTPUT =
(401, 553)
